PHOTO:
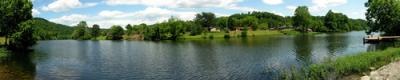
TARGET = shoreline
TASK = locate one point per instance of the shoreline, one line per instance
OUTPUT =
(347, 67)
(388, 72)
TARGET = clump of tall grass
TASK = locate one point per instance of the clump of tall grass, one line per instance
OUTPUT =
(3, 52)
(343, 66)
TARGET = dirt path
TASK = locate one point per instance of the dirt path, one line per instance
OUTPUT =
(387, 72)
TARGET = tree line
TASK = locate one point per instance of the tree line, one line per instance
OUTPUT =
(331, 22)
(174, 28)
(204, 22)
(383, 16)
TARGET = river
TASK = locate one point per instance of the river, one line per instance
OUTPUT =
(254, 58)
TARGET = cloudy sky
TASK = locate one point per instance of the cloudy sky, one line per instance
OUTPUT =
(121, 12)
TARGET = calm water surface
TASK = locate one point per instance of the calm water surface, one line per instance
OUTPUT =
(235, 59)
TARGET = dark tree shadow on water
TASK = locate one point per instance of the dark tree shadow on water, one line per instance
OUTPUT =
(303, 48)
(17, 66)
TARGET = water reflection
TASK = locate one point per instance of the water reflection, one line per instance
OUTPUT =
(337, 44)
(17, 67)
(382, 45)
(303, 48)
(258, 58)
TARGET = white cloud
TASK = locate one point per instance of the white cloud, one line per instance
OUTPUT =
(325, 3)
(111, 14)
(227, 4)
(65, 5)
(273, 2)
(244, 9)
(291, 9)
(357, 14)
(70, 19)
(35, 12)
(175, 3)
(321, 5)
(277, 13)
(107, 18)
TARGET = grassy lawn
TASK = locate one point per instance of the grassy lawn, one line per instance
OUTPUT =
(3, 51)
(343, 66)
(294, 32)
(233, 34)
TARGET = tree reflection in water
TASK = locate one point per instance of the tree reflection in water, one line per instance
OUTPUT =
(17, 67)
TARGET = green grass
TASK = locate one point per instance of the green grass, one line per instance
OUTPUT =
(2, 40)
(343, 66)
(3, 52)
(264, 33)
(294, 32)
(232, 34)
(290, 32)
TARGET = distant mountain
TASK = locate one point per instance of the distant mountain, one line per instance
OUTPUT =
(46, 30)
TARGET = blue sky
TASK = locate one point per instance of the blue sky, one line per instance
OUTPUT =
(122, 12)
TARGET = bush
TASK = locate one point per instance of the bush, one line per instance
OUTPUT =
(23, 38)
(243, 34)
(211, 36)
(227, 36)
(115, 33)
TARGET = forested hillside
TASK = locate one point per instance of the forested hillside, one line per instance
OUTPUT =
(46, 30)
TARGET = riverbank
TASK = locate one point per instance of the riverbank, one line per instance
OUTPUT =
(345, 66)
(232, 34)
(3, 51)
(2, 40)
(387, 72)
(236, 34)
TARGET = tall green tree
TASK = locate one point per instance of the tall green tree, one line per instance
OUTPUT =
(317, 24)
(95, 31)
(384, 16)
(23, 38)
(12, 13)
(205, 19)
(129, 29)
(115, 33)
(81, 32)
(175, 28)
(251, 22)
(336, 22)
(195, 29)
(222, 22)
(302, 18)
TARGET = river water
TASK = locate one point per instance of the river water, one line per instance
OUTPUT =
(254, 58)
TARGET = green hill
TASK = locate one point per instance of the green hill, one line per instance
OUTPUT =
(46, 30)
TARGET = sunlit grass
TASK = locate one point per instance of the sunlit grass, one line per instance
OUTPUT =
(355, 64)
(232, 34)
(294, 32)
(3, 52)
(2, 40)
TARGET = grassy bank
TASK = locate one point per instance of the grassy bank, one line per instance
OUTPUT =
(2, 40)
(3, 52)
(233, 34)
(343, 66)
(294, 32)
